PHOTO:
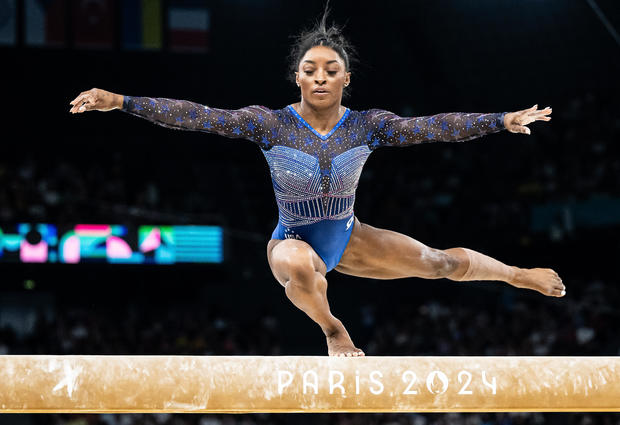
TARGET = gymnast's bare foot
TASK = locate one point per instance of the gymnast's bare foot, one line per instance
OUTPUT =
(545, 281)
(339, 344)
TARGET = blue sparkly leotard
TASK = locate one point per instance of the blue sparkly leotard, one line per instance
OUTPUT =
(315, 176)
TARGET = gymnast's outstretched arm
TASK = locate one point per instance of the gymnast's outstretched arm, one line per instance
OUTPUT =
(388, 129)
(250, 123)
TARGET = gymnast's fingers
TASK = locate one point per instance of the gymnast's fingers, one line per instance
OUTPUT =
(85, 104)
(74, 101)
(74, 109)
(538, 115)
(77, 101)
(80, 101)
(91, 103)
(86, 101)
(532, 109)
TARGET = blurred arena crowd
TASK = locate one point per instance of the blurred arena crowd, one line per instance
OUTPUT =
(510, 324)
(513, 323)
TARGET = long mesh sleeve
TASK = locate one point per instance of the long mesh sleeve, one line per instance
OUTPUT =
(251, 123)
(388, 129)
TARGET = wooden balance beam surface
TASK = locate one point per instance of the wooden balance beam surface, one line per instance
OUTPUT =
(249, 384)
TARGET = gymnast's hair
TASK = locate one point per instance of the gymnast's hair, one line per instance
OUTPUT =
(321, 35)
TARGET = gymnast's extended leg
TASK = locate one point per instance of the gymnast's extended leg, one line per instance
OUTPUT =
(302, 273)
(385, 254)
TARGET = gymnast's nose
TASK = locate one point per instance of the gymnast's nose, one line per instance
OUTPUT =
(320, 77)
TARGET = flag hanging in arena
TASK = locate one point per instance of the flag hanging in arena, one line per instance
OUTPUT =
(8, 13)
(142, 24)
(188, 26)
(93, 23)
(45, 22)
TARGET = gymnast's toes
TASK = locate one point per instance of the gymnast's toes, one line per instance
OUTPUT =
(358, 353)
(345, 351)
(355, 352)
(545, 281)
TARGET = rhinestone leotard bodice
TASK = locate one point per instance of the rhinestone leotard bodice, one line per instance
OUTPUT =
(314, 176)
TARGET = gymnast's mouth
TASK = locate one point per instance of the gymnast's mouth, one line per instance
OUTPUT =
(320, 91)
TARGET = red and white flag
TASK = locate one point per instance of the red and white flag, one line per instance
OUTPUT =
(188, 26)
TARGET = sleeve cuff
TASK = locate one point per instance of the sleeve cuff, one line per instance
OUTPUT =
(500, 121)
(126, 100)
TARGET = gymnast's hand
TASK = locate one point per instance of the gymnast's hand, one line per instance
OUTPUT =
(516, 122)
(96, 100)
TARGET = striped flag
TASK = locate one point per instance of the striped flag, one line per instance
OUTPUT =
(8, 16)
(142, 24)
(93, 23)
(45, 22)
(188, 26)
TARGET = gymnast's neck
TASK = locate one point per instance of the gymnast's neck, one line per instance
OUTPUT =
(321, 117)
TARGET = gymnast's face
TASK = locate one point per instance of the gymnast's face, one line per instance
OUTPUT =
(322, 76)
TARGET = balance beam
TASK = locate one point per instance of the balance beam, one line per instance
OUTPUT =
(251, 384)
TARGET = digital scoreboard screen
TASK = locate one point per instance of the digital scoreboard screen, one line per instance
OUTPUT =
(110, 243)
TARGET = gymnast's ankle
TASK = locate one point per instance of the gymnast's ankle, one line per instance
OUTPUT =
(334, 329)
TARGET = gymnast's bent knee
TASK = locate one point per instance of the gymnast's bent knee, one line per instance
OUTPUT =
(440, 263)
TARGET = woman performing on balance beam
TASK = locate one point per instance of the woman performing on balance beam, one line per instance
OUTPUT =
(316, 149)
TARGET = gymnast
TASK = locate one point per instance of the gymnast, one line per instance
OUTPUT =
(316, 149)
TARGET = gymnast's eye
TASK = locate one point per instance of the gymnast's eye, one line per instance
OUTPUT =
(308, 72)
(332, 73)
